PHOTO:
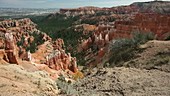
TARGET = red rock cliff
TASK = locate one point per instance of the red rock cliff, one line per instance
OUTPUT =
(50, 53)
(155, 23)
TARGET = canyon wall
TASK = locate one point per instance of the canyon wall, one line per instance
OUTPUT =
(96, 46)
(18, 37)
(154, 23)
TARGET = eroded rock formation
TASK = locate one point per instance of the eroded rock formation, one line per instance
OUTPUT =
(58, 59)
(82, 11)
(155, 23)
(161, 7)
(18, 35)
(10, 48)
(158, 24)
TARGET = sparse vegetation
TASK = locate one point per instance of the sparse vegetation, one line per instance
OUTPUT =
(53, 24)
(59, 26)
(89, 21)
(37, 41)
(160, 59)
(78, 75)
(168, 38)
(20, 43)
(65, 87)
(32, 46)
(124, 49)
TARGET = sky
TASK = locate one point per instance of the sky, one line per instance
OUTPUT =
(64, 3)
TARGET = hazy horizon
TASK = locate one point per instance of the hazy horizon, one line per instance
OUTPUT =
(64, 3)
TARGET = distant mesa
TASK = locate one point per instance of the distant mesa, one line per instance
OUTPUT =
(156, 6)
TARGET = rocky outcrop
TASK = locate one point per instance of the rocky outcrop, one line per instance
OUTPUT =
(21, 25)
(124, 10)
(34, 77)
(158, 24)
(10, 48)
(14, 31)
(3, 57)
(82, 11)
(17, 36)
(161, 7)
(55, 57)
(154, 23)
(62, 61)
(86, 28)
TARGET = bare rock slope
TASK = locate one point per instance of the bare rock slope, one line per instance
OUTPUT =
(15, 81)
(146, 75)
(155, 55)
(125, 82)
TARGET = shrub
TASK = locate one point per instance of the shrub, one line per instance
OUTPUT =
(65, 87)
(78, 75)
(89, 21)
(123, 50)
(33, 46)
(168, 38)
(20, 43)
(141, 37)
(52, 25)
(100, 13)
(37, 41)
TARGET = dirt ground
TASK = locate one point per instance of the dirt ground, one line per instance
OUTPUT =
(124, 82)
(146, 75)
(155, 55)
(16, 81)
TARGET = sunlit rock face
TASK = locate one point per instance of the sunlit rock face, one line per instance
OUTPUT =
(58, 59)
(161, 7)
(155, 23)
(13, 31)
(82, 11)
(10, 48)
(157, 6)
(50, 52)
(21, 25)
(97, 44)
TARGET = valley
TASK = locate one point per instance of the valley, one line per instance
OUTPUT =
(87, 51)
